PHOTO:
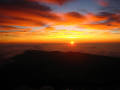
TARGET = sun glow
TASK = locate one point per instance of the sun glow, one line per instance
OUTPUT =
(72, 43)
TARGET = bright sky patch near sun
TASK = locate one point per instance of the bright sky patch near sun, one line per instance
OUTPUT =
(59, 21)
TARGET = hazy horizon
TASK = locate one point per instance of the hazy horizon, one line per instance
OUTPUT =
(104, 49)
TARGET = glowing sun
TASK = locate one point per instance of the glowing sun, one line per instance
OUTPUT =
(72, 43)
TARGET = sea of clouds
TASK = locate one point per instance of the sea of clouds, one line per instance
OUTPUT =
(105, 49)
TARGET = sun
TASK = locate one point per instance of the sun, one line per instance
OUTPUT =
(72, 43)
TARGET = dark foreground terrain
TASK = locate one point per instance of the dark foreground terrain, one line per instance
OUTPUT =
(40, 70)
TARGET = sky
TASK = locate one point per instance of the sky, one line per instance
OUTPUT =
(59, 21)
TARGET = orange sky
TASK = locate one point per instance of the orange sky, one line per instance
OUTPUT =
(41, 24)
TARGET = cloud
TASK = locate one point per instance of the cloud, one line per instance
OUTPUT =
(103, 3)
(7, 28)
(104, 21)
(19, 21)
(26, 17)
(22, 5)
(112, 17)
(72, 18)
(57, 2)
(91, 21)
(22, 10)
(31, 13)
(25, 13)
(74, 14)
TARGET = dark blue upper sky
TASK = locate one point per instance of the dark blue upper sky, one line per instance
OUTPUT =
(79, 6)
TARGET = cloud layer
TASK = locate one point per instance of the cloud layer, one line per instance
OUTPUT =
(31, 16)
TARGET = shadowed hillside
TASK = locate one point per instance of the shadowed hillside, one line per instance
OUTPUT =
(60, 70)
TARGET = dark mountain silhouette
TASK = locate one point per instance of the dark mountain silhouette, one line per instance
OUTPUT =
(61, 70)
